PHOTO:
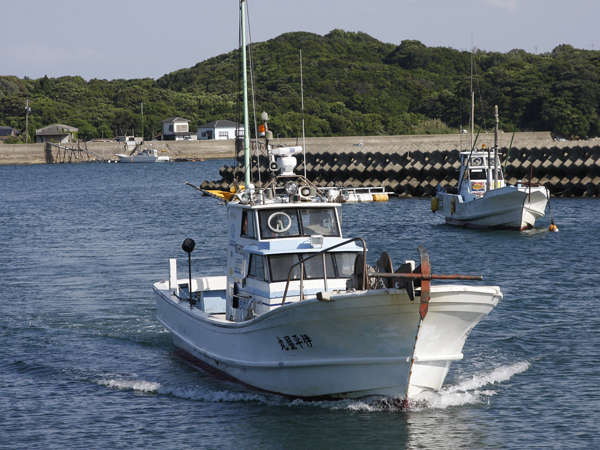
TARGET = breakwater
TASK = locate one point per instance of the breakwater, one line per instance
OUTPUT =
(567, 171)
(201, 150)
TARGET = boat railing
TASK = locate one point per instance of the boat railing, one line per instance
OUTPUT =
(322, 254)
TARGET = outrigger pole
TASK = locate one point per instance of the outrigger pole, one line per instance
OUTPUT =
(245, 90)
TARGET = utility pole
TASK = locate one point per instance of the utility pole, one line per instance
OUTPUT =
(27, 111)
(142, 106)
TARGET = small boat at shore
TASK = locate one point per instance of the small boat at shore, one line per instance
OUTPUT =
(147, 155)
(297, 310)
(356, 195)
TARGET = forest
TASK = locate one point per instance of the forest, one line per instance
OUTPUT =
(353, 85)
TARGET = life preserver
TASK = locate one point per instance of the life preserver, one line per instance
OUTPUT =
(281, 225)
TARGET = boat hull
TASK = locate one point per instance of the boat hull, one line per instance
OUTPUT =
(142, 158)
(356, 345)
(454, 310)
(508, 207)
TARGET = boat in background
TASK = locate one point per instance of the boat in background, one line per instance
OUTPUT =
(484, 200)
(147, 155)
(356, 195)
(297, 310)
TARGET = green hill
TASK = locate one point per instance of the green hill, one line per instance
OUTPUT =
(353, 85)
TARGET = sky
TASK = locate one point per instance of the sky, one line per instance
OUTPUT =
(112, 39)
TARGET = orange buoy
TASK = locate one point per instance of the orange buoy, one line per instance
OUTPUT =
(553, 228)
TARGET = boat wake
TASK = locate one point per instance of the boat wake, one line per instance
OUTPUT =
(475, 389)
(190, 392)
(478, 388)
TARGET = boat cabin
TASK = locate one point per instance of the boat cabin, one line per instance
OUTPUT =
(277, 244)
(477, 174)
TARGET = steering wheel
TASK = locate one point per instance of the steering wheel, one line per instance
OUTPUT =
(279, 222)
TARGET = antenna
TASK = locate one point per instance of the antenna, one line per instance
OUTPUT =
(245, 88)
(302, 100)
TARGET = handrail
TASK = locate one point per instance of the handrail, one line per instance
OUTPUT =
(322, 252)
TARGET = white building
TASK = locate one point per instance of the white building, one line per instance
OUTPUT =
(220, 129)
(176, 129)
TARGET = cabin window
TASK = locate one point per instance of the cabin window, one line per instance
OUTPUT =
(319, 221)
(344, 263)
(313, 268)
(279, 266)
(290, 222)
(257, 267)
(276, 223)
(338, 265)
(477, 174)
(248, 228)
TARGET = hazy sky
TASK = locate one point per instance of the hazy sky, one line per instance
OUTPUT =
(110, 39)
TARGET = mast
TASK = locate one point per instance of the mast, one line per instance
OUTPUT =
(472, 103)
(303, 133)
(245, 90)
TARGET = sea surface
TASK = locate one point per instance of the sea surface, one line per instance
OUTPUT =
(85, 364)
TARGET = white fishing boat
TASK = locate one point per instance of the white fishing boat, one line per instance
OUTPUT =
(482, 198)
(297, 310)
(483, 201)
(147, 155)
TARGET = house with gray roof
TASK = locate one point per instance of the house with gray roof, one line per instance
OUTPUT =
(220, 129)
(56, 133)
(7, 132)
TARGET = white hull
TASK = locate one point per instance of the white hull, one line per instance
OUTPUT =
(454, 310)
(359, 344)
(141, 158)
(507, 207)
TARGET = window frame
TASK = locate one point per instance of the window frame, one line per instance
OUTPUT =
(298, 216)
(251, 218)
(331, 263)
(251, 264)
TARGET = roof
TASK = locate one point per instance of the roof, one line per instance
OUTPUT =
(56, 129)
(175, 119)
(221, 124)
(7, 131)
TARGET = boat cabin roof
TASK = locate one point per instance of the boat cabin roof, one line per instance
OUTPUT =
(478, 159)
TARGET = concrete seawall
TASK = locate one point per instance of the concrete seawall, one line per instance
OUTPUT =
(200, 150)
(98, 151)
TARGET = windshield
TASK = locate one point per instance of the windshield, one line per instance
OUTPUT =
(289, 222)
(477, 174)
(338, 265)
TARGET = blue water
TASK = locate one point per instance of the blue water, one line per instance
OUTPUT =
(85, 364)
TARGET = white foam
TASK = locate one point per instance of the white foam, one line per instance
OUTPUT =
(472, 390)
(469, 391)
(202, 394)
(498, 375)
(133, 385)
